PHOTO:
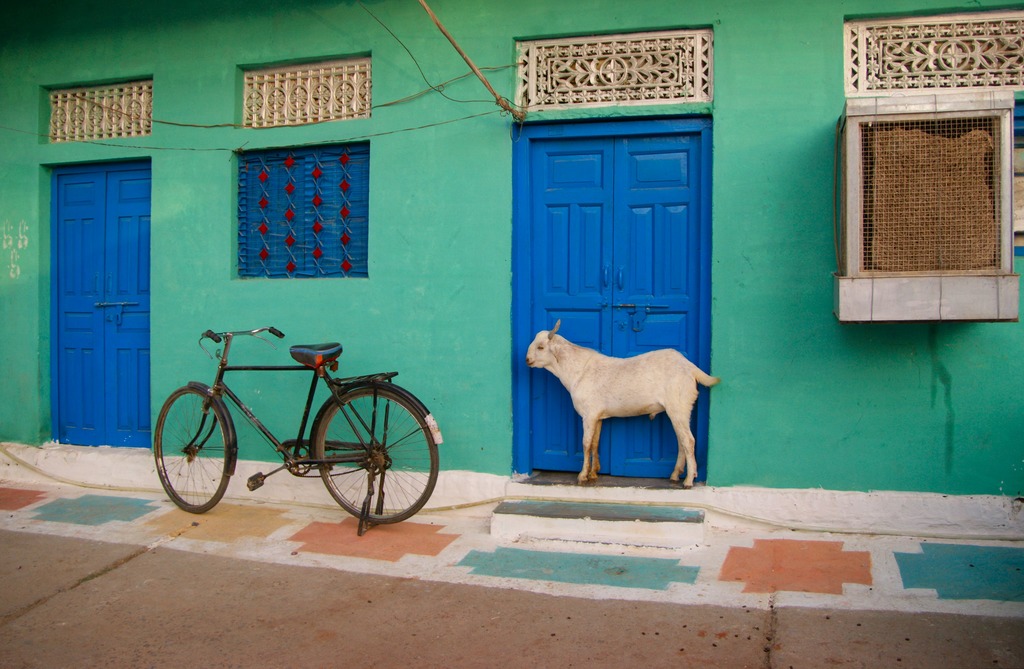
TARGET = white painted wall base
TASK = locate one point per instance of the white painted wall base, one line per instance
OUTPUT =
(897, 513)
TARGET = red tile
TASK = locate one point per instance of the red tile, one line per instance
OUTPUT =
(381, 542)
(798, 566)
(12, 499)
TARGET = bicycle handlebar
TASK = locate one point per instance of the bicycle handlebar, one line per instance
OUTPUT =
(217, 337)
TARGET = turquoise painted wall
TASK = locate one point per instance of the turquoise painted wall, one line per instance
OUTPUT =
(805, 401)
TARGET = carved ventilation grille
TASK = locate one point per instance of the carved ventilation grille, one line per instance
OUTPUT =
(101, 112)
(310, 93)
(635, 69)
(976, 51)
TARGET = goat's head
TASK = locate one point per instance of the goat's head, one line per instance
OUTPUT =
(540, 353)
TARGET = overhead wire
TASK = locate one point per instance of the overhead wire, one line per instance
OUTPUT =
(431, 87)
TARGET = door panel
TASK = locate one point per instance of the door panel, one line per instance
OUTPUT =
(80, 325)
(610, 241)
(571, 211)
(101, 305)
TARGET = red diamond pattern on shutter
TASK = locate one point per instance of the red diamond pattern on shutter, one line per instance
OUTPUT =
(290, 266)
(346, 265)
(345, 239)
(318, 227)
(317, 253)
(289, 240)
(317, 172)
(263, 228)
(264, 254)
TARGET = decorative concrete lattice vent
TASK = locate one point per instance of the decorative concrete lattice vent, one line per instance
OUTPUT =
(101, 112)
(926, 229)
(309, 93)
(632, 69)
(935, 53)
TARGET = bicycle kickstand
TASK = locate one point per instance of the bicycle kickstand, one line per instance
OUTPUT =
(364, 511)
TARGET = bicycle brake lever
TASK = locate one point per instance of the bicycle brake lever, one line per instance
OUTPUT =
(264, 339)
(210, 355)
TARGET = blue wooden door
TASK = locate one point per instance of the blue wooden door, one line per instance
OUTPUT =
(101, 222)
(613, 238)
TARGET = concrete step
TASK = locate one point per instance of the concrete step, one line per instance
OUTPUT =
(660, 526)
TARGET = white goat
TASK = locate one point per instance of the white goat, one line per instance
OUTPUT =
(604, 387)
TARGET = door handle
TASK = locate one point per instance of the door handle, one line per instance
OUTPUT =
(606, 276)
(620, 278)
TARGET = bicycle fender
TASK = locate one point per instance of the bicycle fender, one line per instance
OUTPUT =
(225, 418)
(415, 401)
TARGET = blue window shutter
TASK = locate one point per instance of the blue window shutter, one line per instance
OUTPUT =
(304, 213)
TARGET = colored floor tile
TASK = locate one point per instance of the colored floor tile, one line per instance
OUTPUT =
(382, 542)
(12, 499)
(614, 570)
(94, 509)
(224, 523)
(797, 566)
(958, 571)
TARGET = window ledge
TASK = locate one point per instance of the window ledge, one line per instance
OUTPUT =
(945, 297)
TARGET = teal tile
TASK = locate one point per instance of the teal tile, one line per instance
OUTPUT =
(94, 509)
(621, 571)
(957, 571)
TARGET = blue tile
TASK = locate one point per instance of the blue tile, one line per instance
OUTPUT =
(621, 571)
(959, 571)
(94, 509)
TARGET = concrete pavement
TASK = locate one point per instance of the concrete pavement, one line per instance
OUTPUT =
(115, 578)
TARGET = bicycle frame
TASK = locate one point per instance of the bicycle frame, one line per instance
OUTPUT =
(291, 450)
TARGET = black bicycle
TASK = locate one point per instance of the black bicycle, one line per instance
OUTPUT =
(373, 443)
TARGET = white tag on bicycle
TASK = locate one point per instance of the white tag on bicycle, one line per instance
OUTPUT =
(434, 429)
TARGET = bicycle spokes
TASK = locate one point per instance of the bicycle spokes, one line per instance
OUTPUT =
(398, 458)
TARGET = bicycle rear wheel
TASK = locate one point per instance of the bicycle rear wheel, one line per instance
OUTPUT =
(191, 446)
(383, 429)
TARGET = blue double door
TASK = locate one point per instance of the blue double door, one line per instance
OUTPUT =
(101, 294)
(613, 239)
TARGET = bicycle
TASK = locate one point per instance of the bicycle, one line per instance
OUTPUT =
(369, 426)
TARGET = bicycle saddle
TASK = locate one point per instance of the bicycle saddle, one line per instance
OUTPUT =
(315, 355)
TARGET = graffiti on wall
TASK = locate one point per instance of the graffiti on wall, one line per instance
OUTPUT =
(15, 240)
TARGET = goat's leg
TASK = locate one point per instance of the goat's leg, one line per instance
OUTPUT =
(595, 442)
(588, 433)
(686, 459)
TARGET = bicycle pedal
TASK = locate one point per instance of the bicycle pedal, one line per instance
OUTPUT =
(255, 481)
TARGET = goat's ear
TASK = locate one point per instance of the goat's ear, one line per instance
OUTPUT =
(558, 324)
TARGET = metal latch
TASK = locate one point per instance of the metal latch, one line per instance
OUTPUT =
(116, 317)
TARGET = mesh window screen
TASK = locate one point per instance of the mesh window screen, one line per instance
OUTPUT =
(931, 195)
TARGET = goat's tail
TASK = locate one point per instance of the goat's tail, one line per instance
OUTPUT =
(704, 379)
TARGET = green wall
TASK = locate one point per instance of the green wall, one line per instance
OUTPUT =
(805, 401)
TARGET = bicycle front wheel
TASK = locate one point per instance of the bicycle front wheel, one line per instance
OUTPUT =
(377, 434)
(190, 444)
